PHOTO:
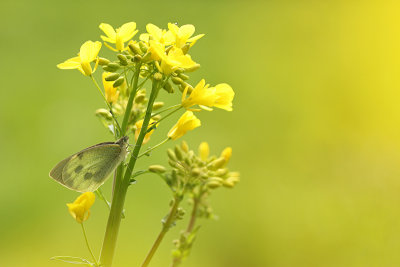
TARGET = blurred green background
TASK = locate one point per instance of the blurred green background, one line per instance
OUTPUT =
(315, 132)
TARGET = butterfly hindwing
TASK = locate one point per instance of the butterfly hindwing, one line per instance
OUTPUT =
(88, 169)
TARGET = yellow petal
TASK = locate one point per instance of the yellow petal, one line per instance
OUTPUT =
(188, 121)
(154, 31)
(204, 151)
(225, 95)
(72, 63)
(127, 31)
(108, 30)
(89, 51)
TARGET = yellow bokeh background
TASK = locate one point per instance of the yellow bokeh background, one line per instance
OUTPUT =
(315, 132)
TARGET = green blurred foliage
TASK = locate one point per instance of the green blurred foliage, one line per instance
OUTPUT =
(315, 132)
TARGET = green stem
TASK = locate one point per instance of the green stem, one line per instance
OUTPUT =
(164, 230)
(154, 147)
(169, 114)
(121, 187)
(130, 101)
(166, 109)
(102, 197)
(105, 100)
(87, 244)
(193, 215)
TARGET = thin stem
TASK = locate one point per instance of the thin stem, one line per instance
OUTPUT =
(166, 109)
(105, 100)
(102, 197)
(193, 215)
(87, 244)
(154, 147)
(169, 114)
(130, 101)
(161, 235)
(121, 187)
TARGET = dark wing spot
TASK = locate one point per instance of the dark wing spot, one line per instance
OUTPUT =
(88, 175)
(78, 169)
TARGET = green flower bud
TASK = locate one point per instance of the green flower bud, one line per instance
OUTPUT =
(171, 154)
(103, 113)
(118, 82)
(213, 184)
(168, 87)
(172, 163)
(183, 76)
(135, 49)
(103, 61)
(196, 172)
(122, 59)
(112, 77)
(143, 46)
(111, 67)
(178, 153)
(185, 48)
(158, 76)
(218, 163)
(157, 168)
(158, 105)
(185, 146)
(176, 80)
(194, 68)
(140, 98)
(157, 117)
(137, 58)
(221, 172)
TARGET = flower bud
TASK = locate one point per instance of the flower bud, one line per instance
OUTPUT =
(122, 59)
(112, 77)
(194, 68)
(157, 168)
(168, 87)
(221, 172)
(204, 151)
(118, 82)
(183, 76)
(158, 105)
(103, 113)
(185, 48)
(196, 172)
(218, 163)
(140, 98)
(135, 49)
(147, 57)
(227, 153)
(171, 154)
(185, 146)
(178, 153)
(143, 46)
(137, 58)
(111, 67)
(103, 61)
(176, 80)
(171, 163)
(158, 76)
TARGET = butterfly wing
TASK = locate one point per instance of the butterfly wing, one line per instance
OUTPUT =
(87, 170)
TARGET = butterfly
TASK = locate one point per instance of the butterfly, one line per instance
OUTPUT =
(88, 169)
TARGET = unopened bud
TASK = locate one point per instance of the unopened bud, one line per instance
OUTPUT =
(158, 105)
(111, 67)
(171, 154)
(183, 76)
(118, 82)
(185, 146)
(140, 98)
(147, 57)
(103, 61)
(103, 113)
(185, 48)
(112, 77)
(178, 153)
(213, 184)
(172, 163)
(196, 172)
(158, 76)
(221, 172)
(157, 168)
(218, 163)
(185, 85)
(135, 49)
(122, 59)
(143, 46)
(193, 68)
(168, 87)
(176, 80)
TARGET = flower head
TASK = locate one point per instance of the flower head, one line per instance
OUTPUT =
(138, 126)
(118, 36)
(174, 60)
(186, 122)
(80, 208)
(88, 53)
(220, 96)
(111, 93)
(182, 34)
(159, 35)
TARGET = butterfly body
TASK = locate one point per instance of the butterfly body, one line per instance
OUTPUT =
(88, 169)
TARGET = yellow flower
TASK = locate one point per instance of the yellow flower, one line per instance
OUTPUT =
(80, 208)
(157, 50)
(186, 122)
(118, 36)
(225, 96)
(204, 151)
(182, 34)
(220, 96)
(88, 53)
(226, 154)
(138, 126)
(174, 60)
(160, 35)
(111, 93)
